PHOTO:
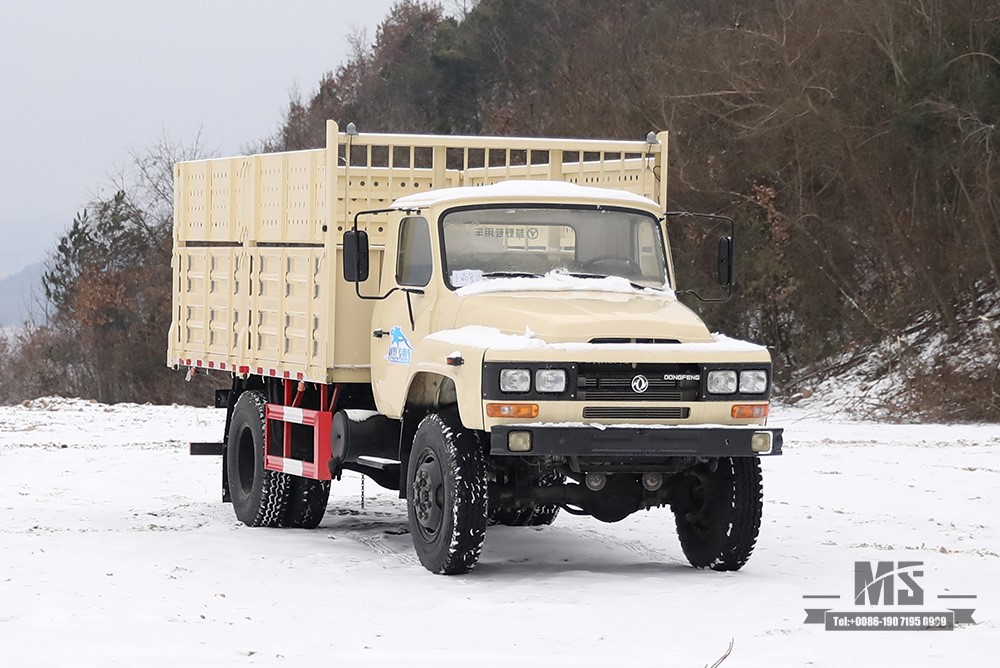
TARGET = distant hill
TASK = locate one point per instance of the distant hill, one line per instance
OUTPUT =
(21, 295)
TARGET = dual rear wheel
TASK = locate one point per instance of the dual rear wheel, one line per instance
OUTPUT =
(530, 516)
(264, 498)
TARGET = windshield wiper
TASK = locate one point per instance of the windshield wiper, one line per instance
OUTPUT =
(511, 274)
(583, 274)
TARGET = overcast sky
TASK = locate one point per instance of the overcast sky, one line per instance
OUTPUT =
(83, 82)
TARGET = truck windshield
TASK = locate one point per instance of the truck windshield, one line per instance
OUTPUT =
(484, 243)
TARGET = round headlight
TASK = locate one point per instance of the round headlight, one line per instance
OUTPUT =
(550, 380)
(753, 382)
(721, 382)
(515, 380)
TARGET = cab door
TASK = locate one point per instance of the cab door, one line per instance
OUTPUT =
(402, 319)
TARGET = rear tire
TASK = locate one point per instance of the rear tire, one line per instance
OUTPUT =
(307, 502)
(510, 516)
(446, 494)
(530, 516)
(260, 498)
(719, 528)
(545, 515)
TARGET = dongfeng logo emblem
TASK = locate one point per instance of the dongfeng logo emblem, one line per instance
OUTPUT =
(640, 384)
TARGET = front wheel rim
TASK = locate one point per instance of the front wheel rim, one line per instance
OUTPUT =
(427, 494)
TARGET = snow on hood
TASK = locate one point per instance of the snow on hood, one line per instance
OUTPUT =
(557, 281)
(526, 189)
(493, 339)
(621, 312)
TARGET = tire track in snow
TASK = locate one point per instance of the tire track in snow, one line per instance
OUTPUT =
(630, 545)
(377, 544)
(370, 529)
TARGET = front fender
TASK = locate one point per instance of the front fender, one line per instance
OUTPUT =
(428, 383)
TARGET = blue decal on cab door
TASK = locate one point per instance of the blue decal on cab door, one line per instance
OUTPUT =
(400, 350)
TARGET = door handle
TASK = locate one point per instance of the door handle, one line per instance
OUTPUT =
(378, 333)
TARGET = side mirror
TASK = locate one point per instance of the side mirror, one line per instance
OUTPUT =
(355, 256)
(725, 261)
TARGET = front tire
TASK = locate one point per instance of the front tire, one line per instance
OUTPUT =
(260, 498)
(446, 495)
(718, 526)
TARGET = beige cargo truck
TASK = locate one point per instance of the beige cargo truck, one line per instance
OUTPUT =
(489, 326)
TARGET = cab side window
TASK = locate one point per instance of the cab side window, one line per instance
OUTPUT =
(413, 261)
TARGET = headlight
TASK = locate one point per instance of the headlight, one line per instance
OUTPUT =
(722, 382)
(550, 380)
(753, 382)
(515, 380)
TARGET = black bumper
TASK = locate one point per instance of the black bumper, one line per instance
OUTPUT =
(633, 442)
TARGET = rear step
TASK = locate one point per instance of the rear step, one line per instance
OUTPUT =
(378, 462)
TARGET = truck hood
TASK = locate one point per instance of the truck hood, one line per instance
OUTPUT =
(558, 317)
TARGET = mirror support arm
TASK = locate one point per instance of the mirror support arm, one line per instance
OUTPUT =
(357, 260)
(731, 256)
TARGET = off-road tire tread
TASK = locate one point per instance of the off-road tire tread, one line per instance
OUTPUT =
(529, 516)
(741, 501)
(275, 487)
(511, 517)
(465, 462)
(307, 502)
(546, 515)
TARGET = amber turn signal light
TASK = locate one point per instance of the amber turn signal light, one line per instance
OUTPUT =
(750, 411)
(512, 410)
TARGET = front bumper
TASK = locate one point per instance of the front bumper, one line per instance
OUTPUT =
(635, 442)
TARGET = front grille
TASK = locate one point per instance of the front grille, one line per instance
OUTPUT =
(622, 382)
(620, 389)
(635, 413)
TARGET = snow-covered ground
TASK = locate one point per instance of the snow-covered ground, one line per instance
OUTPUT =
(115, 550)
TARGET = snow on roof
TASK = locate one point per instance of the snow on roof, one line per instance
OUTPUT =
(529, 190)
